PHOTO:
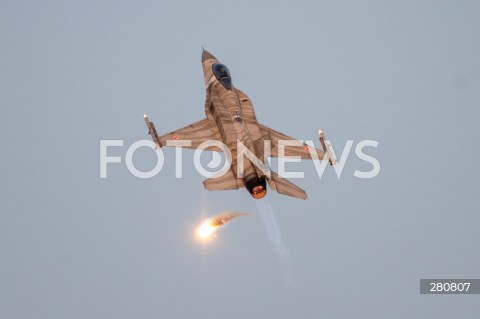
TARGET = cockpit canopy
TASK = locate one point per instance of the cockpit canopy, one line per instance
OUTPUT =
(223, 75)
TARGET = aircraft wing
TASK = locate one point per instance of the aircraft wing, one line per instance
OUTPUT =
(196, 133)
(223, 181)
(299, 149)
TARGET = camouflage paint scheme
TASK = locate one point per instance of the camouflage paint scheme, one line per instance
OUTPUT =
(231, 118)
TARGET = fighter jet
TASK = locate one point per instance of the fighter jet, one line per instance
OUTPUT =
(231, 119)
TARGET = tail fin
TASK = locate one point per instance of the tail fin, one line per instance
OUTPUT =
(285, 187)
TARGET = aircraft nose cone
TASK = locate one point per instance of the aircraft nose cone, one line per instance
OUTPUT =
(207, 55)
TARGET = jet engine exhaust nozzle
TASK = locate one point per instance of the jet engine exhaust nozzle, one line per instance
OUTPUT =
(256, 186)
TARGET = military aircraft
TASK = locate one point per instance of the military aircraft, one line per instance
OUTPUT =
(231, 119)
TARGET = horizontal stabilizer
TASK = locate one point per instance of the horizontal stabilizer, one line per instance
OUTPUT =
(223, 181)
(285, 187)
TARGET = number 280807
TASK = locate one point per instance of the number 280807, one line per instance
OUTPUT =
(449, 286)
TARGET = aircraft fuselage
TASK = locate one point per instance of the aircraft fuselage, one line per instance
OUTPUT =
(226, 109)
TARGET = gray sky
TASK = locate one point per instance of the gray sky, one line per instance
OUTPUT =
(72, 245)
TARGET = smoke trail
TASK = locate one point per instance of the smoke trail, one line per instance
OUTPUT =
(210, 225)
(273, 232)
